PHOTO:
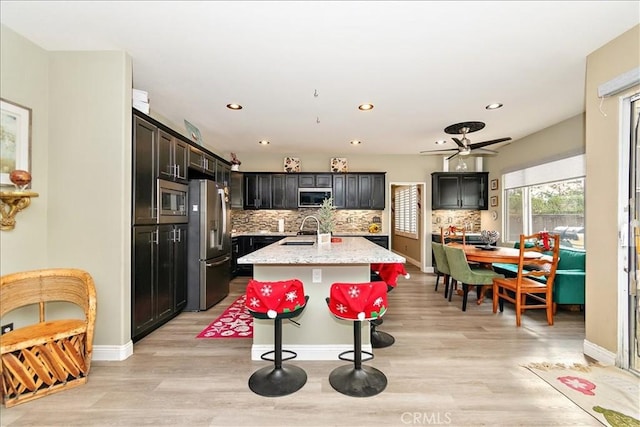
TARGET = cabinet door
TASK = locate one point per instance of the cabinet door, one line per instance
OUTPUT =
(379, 240)
(225, 173)
(251, 197)
(365, 186)
(143, 289)
(166, 167)
(377, 192)
(351, 194)
(306, 181)
(164, 278)
(445, 192)
(196, 159)
(339, 191)
(180, 159)
(210, 165)
(277, 191)
(180, 266)
(144, 175)
(236, 189)
(323, 181)
(235, 253)
(472, 195)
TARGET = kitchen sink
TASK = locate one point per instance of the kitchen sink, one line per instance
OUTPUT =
(298, 243)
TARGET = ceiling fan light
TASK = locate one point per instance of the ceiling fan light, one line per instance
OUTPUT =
(465, 152)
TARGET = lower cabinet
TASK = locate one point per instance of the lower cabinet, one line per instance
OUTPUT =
(379, 240)
(159, 286)
(246, 245)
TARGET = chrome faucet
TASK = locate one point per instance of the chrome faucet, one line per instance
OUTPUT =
(306, 218)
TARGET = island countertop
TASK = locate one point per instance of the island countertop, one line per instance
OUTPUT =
(351, 250)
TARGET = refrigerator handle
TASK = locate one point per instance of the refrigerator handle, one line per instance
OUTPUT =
(223, 205)
(218, 263)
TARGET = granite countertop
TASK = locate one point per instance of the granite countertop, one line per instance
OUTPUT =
(351, 250)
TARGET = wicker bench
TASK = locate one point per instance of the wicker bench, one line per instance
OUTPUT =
(51, 355)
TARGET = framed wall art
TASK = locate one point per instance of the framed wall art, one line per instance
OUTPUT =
(15, 139)
(494, 184)
(339, 164)
(493, 200)
(291, 164)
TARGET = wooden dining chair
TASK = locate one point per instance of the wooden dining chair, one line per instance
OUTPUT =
(462, 272)
(532, 288)
(452, 234)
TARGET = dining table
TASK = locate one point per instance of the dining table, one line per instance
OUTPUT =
(486, 255)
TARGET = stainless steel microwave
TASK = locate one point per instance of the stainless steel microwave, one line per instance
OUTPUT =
(312, 197)
(172, 202)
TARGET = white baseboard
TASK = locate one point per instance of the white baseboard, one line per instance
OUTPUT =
(112, 352)
(308, 352)
(598, 353)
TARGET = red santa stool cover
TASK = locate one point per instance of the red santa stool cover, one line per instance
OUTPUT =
(358, 302)
(276, 301)
(389, 272)
(273, 298)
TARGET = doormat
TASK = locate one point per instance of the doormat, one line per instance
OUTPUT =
(609, 394)
(234, 322)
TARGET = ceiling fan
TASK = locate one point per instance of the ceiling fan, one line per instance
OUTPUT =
(465, 147)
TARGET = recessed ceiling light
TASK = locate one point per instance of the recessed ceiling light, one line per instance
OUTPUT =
(234, 106)
(441, 141)
(355, 142)
(365, 107)
(494, 106)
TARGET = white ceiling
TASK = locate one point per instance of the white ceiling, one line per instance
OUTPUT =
(424, 65)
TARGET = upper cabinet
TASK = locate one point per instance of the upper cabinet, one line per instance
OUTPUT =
(359, 191)
(319, 180)
(172, 157)
(201, 161)
(453, 190)
(284, 191)
(257, 191)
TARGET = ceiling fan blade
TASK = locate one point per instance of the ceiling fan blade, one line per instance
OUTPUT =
(486, 143)
(460, 143)
(441, 152)
(452, 156)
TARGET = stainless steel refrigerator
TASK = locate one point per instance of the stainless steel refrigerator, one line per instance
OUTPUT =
(209, 244)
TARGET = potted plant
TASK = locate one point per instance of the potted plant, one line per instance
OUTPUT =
(235, 162)
(326, 220)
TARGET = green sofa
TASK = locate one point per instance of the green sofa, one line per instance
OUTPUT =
(568, 287)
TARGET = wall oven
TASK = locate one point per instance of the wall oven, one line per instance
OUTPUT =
(312, 197)
(172, 202)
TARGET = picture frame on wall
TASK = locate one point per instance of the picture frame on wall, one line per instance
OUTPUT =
(493, 200)
(15, 139)
(494, 184)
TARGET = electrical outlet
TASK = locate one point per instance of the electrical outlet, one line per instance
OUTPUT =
(7, 328)
(316, 275)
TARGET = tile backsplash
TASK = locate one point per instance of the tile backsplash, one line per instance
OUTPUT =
(346, 221)
(461, 218)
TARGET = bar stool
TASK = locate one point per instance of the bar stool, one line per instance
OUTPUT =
(388, 272)
(277, 301)
(358, 302)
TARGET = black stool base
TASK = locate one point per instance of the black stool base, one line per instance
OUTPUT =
(274, 382)
(364, 382)
(381, 339)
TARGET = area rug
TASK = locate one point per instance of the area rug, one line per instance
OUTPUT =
(234, 322)
(609, 394)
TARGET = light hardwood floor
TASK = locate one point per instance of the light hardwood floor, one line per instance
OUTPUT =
(446, 368)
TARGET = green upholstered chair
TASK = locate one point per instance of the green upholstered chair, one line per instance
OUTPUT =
(468, 276)
(442, 266)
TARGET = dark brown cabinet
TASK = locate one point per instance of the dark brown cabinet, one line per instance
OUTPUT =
(320, 180)
(257, 191)
(159, 274)
(173, 155)
(452, 190)
(202, 162)
(145, 141)
(359, 191)
(246, 245)
(284, 191)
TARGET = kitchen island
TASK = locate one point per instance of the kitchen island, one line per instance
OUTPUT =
(319, 335)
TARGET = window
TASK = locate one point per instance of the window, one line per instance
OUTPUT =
(406, 211)
(547, 197)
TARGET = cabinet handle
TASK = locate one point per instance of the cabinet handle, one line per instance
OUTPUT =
(179, 235)
(154, 237)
